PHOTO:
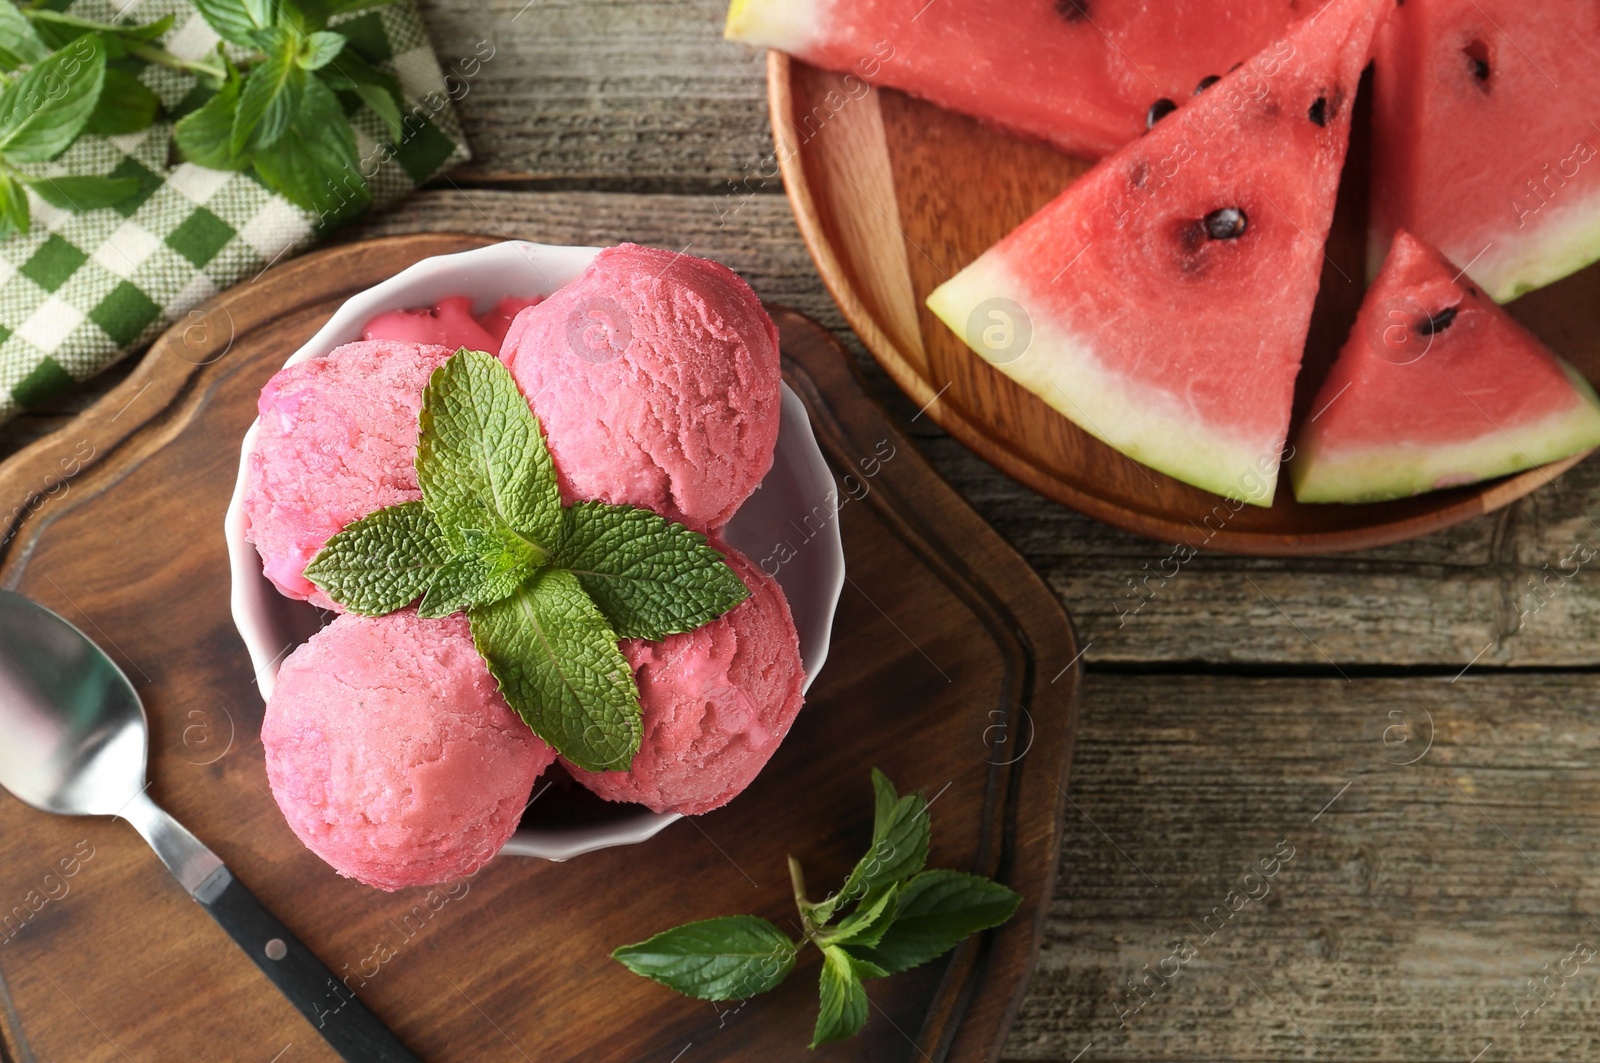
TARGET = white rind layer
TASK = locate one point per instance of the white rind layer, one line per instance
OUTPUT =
(787, 25)
(1378, 474)
(1566, 239)
(1562, 239)
(1150, 425)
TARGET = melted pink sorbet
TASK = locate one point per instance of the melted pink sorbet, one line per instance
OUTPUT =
(450, 323)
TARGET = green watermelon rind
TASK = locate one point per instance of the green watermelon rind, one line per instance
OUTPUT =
(1065, 373)
(1382, 474)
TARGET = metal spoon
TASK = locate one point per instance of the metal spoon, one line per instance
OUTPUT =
(73, 741)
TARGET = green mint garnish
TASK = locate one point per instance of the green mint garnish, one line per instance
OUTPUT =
(481, 458)
(649, 576)
(382, 562)
(903, 917)
(548, 591)
(731, 958)
(275, 100)
(559, 666)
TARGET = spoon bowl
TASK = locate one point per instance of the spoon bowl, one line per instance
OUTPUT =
(75, 731)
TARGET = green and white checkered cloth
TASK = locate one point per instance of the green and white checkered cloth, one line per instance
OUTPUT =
(79, 291)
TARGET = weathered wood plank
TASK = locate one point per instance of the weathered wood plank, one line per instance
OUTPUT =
(1416, 903)
(641, 90)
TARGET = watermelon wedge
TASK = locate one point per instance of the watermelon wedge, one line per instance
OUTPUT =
(1485, 142)
(1167, 292)
(1082, 75)
(1436, 387)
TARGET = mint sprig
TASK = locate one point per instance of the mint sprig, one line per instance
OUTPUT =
(903, 916)
(273, 97)
(547, 590)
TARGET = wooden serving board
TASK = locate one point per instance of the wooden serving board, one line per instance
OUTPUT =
(894, 196)
(953, 669)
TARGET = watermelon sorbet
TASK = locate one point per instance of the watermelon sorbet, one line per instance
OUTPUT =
(337, 440)
(393, 755)
(656, 378)
(717, 702)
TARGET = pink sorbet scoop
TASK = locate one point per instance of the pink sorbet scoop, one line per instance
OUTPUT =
(337, 441)
(717, 702)
(656, 378)
(393, 755)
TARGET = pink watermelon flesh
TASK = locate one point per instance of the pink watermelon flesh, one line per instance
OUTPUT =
(1484, 137)
(1176, 346)
(1079, 74)
(1437, 386)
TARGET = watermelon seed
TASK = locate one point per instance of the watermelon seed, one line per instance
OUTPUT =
(1158, 110)
(1319, 111)
(1229, 223)
(1205, 83)
(1073, 10)
(1438, 322)
(1477, 54)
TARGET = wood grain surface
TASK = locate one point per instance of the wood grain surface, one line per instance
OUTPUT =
(1214, 724)
(117, 527)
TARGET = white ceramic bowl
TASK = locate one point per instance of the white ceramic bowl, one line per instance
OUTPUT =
(799, 492)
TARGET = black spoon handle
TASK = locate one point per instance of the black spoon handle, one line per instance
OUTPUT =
(331, 1008)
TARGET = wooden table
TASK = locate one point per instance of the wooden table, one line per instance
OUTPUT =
(1414, 724)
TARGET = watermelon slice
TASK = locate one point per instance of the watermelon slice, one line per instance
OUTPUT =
(1082, 75)
(1167, 292)
(1436, 387)
(1485, 141)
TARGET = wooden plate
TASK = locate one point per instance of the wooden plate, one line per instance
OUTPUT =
(954, 670)
(893, 196)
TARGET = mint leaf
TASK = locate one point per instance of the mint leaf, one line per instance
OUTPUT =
(558, 664)
(937, 911)
(900, 832)
(494, 566)
(19, 42)
(482, 460)
(270, 98)
(377, 90)
(126, 105)
(14, 213)
(317, 167)
(43, 110)
(58, 30)
(867, 924)
(319, 49)
(382, 562)
(650, 577)
(241, 22)
(844, 1002)
(731, 958)
(205, 136)
(82, 193)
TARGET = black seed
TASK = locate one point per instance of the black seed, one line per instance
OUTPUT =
(1438, 322)
(1205, 83)
(1073, 10)
(1158, 110)
(1319, 111)
(1229, 223)
(1477, 53)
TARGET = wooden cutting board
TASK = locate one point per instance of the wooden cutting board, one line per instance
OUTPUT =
(953, 669)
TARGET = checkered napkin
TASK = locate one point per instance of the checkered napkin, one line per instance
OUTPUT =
(79, 291)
